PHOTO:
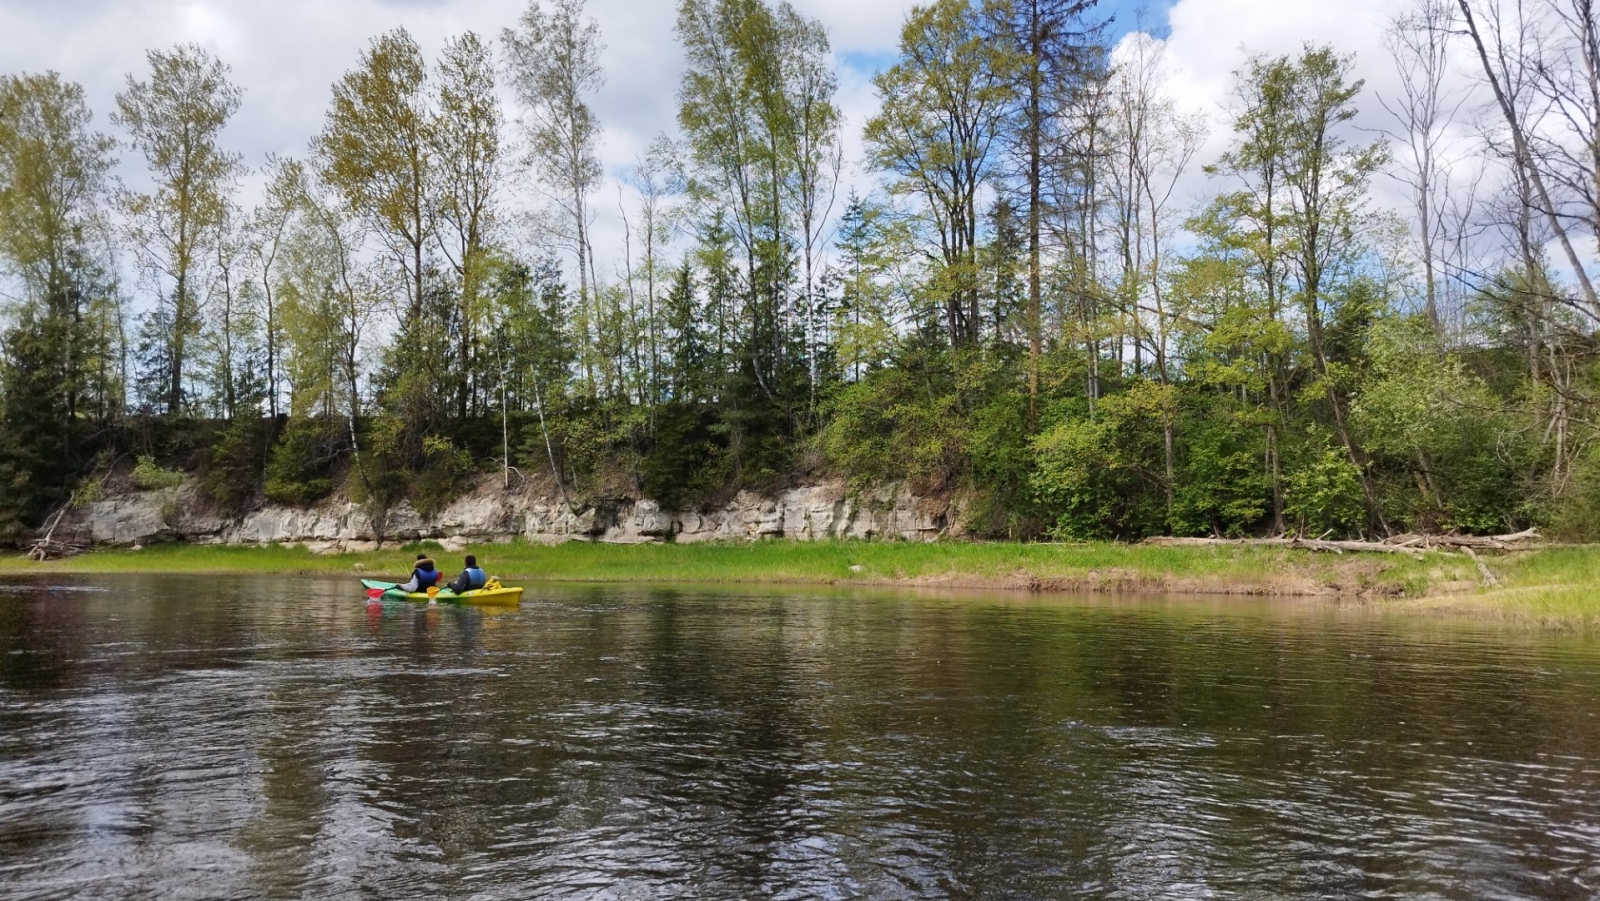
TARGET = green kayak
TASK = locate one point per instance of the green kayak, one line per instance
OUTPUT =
(491, 594)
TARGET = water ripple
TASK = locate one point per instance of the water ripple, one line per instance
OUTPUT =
(180, 738)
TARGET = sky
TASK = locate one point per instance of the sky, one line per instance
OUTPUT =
(286, 54)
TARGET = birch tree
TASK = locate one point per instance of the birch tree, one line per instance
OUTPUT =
(1418, 41)
(944, 108)
(174, 119)
(553, 65)
(268, 228)
(1150, 147)
(466, 141)
(375, 152)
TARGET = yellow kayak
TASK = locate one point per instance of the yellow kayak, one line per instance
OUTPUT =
(492, 595)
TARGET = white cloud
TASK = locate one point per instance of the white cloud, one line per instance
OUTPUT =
(1210, 40)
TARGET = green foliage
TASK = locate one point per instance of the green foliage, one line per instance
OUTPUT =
(1438, 428)
(1323, 493)
(1101, 477)
(445, 471)
(897, 424)
(1001, 462)
(147, 476)
(174, 120)
(688, 460)
(379, 478)
(37, 444)
(595, 444)
(1576, 515)
(946, 102)
(91, 489)
(300, 468)
(233, 473)
(58, 390)
(1222, 489)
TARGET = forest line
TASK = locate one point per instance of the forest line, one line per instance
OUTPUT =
(1024, 310)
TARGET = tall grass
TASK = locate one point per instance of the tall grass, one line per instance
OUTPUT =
(1554, 586)
(1100, 566)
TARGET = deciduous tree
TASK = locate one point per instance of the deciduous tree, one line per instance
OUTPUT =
(174, 119)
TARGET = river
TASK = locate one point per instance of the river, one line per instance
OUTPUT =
(197, 737)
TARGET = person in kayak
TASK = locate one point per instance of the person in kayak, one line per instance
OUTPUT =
(423, 576)
(471, 578)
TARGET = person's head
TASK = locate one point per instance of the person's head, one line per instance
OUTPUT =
(422, 556)
(472, 562)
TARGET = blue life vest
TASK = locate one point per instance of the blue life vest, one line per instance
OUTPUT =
(475, 578)
(426, 578)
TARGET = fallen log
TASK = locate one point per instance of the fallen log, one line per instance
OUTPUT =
(1399, 544)
(1489, 581)
(46, 549)
(1309, 544)
(1480, 542)
(43, 548)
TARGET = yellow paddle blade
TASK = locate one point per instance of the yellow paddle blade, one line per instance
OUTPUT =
(433, 590)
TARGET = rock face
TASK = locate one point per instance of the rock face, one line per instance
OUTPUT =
(489, 514)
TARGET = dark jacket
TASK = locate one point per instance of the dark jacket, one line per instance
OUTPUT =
(425, 575)
(471, 579)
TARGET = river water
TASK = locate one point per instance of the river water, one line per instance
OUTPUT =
(244, 738)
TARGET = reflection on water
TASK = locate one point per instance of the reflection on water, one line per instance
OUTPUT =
(245, 738)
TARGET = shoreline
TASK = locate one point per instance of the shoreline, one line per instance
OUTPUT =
(1557, 586)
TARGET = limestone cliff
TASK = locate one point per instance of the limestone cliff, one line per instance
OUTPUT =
(489, 514)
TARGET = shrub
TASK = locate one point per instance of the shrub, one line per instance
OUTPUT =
(1101, 477)
(378, 480)
(1576, 516)
(1323, 494)
(445, 471)
(300, 469)
(1222, 487)
(233, 471)
(891, 425)
(688, 460)
(147, 476)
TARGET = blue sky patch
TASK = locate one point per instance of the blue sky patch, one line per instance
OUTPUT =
(1125, 15)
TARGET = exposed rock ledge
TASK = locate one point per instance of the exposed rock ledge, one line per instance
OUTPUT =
(488, 515)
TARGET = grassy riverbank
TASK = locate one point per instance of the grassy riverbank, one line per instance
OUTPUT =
(1039, 567)
(1552, 585)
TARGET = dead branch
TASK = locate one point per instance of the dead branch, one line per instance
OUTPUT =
(1309, 544)
(1400, 544)
(1489, 581)
(1480, 542)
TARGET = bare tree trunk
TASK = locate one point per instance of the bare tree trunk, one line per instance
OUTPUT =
(1418, 41)
(1525, 157)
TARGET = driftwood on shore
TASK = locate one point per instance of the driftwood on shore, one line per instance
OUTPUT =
(47, 546)
(1309, 544)
(1489, 581)
(1398, 544)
